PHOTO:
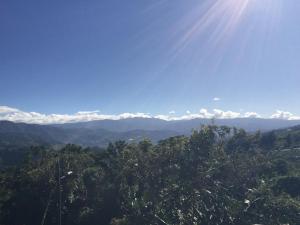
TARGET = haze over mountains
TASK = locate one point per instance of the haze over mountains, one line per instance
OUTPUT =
(100, 133)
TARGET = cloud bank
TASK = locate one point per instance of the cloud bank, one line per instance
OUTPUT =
(16, 115)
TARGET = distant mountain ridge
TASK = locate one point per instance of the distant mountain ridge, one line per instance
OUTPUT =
(100, 133)
(22, 134)
(249, 124)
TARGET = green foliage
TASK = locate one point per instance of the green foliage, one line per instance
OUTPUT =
(218, 176)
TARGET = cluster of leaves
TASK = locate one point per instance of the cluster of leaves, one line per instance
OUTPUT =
(218, 176)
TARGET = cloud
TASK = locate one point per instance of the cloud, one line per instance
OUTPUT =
(132, 115)
(205, 114)
(172, 112)
(252, 115)
(219, 114)
(6, 109)
(16, 115)
(88, 112)
(284, 115)
(163, 117)
(216, 99)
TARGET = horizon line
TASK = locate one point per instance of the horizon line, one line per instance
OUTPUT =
(16, 115)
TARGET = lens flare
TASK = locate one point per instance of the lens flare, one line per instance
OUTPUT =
(227, 13)
(220, 19)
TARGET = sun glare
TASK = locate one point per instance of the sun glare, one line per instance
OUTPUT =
(221, 18)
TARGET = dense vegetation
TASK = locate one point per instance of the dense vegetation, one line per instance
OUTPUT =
(218, 176)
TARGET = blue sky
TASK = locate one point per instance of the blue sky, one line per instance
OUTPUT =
(150, 56)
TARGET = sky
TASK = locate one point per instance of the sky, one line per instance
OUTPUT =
(171, 59)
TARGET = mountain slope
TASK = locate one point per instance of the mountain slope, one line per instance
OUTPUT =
(100, 133)
(21, 134)
(181, 126)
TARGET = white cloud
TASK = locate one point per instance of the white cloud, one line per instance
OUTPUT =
(219, 114)
(252, 115)
(6, 109)
(16, 115)
(88, 112)
(172, 112)
(216, 99)
(188, 112)
(284, 115)
(205, 114)
(164, 117)
(132, 115)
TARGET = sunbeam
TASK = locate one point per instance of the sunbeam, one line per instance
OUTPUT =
(221, 19)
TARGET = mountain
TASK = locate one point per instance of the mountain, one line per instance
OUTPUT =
(100, 133)
(122, 125)
(181, 126)
(22, 134)
(248, 124)
(14, 135)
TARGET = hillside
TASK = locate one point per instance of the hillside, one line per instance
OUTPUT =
(24, 135)
(100, 133)
(182, 126)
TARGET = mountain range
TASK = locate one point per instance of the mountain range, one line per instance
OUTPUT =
(100, 133)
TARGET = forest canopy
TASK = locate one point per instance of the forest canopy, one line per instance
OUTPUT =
(217, 176)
